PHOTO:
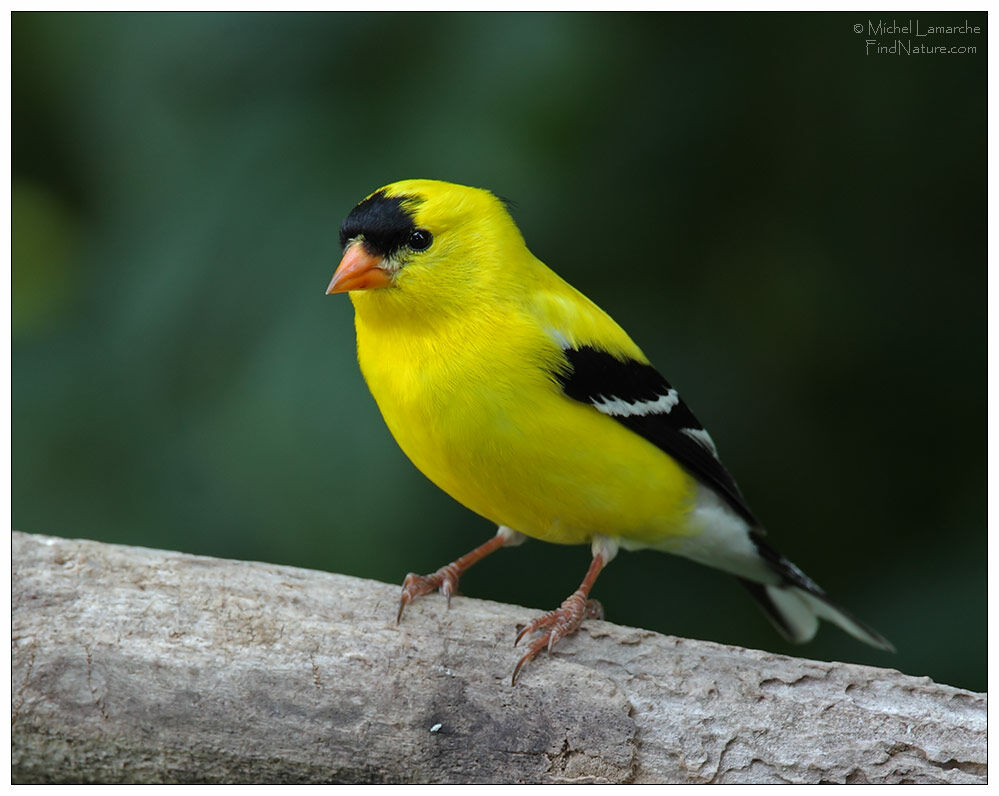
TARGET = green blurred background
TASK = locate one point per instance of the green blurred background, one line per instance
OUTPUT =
(794, 231)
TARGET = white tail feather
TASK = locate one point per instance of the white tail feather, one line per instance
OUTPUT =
(800, 620)
(826, 610)
(796, 611)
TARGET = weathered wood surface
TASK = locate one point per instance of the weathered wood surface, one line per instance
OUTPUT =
(137, 665)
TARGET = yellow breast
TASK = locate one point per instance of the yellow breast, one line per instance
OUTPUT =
(476, 410)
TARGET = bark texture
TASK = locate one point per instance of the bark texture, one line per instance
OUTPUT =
(137, 665)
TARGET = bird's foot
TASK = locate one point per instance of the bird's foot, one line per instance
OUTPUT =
(445, 579)
(558, 624)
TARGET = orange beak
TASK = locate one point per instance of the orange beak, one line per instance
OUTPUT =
(359, 270)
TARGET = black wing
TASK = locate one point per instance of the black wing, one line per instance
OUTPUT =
(637, 396)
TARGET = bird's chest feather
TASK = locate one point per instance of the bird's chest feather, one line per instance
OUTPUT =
(482, 416)
(455, 402)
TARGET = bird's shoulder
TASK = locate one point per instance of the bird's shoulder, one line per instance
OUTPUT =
(570, 320)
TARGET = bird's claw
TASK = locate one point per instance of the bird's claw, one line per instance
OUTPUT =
(445, 579)
(561, 622)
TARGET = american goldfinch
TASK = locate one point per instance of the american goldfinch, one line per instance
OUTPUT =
(527, 403)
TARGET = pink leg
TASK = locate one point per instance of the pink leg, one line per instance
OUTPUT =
(565, 619)
(446, 578)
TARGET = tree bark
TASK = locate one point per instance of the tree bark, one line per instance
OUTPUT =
(137, 665)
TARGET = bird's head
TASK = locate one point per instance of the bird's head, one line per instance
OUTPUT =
(424, 243)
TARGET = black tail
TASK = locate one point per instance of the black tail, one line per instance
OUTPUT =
(796, 604)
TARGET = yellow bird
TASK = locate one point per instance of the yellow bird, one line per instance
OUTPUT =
(527, 403)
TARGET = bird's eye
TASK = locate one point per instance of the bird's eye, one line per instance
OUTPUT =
(420, 239)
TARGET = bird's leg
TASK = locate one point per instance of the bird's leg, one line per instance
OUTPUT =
(565, 619)
(446, 578)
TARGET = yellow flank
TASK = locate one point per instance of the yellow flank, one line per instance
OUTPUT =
(459, 354)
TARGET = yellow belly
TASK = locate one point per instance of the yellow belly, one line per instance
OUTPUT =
(552, 468)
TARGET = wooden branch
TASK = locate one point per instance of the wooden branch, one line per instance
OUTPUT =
(136, 665)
